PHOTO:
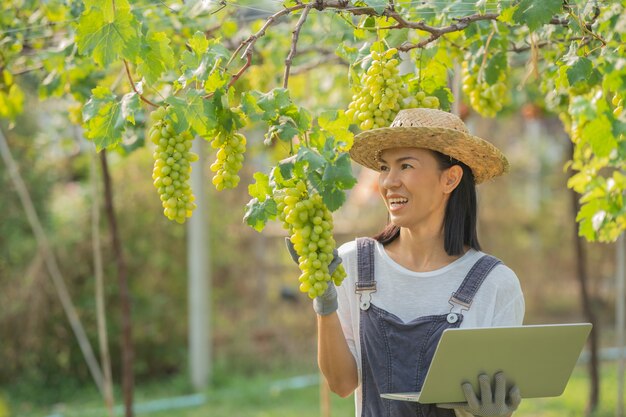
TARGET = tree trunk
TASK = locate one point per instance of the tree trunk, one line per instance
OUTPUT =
(581, 275)
(125, 301)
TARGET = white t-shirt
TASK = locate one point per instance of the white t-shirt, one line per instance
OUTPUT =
(408, 294)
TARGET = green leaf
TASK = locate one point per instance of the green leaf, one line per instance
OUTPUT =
(378, 5)
(250, 107)
(106, 35)
(193, 110)
(199, 43)
(349, 53)
(495, 66)
(314, 159)
(130, 106)
(333, 198)
(155, 56)
(506, 16)
(536, 13)
(339, 173)
(338, 125)
(261, 188)
(258, 213)
(582, 72)
(284, 130)
(103, 120)
(599, 135)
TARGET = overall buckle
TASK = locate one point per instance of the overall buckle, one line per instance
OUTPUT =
(365, 290)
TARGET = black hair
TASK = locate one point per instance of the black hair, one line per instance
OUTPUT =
(459, 223)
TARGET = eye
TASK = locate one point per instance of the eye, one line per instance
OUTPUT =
(405, 166)
(384, 168)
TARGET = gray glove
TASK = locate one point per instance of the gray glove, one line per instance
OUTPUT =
(326, 303)
(494, 403)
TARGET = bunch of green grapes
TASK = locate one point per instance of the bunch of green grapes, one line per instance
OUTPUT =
(310, 226)
(229, 159)
(618, 102)
(381, 95)
(423, 100)
(484, 98)
(172, 166)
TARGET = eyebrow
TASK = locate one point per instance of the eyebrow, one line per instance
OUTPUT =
(404, 158)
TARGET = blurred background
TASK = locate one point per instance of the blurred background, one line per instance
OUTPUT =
(262, 330)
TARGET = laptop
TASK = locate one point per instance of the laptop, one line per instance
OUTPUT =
(539, 359)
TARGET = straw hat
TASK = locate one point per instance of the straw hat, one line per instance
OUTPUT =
(430, 129)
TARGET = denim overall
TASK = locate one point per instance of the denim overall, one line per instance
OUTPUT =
(396, 355)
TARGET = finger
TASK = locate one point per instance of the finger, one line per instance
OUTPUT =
(334, 263)
(515, 398)
(470, 396)
(486, 396)
(500, 390)
(292, 250)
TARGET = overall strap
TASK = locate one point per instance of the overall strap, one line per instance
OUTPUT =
(464, 295)
(365, 284)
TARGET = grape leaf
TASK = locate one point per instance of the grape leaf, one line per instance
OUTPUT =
(378, 5)
(130, 106)
(598, 133)
(339, 173)
(258, 213)
(106, 35)
(199, 43)
(494, 68)
(536, 13)
(337, 124)
(103, 120)
(314, 159)
(261, 188)
(193, 110)
(155, 56)
(582, 72)
(284, 130)
(333, 198)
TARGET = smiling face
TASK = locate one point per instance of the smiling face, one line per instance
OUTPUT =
(414, 188)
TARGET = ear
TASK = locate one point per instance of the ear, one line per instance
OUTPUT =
(451, 178)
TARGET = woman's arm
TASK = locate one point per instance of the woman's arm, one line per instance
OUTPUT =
(334, 357)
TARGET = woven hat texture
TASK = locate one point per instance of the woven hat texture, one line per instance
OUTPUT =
(431, 129)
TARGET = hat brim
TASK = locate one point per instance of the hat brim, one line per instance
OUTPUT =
(484, 159)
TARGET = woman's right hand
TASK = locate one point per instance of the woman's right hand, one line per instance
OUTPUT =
(326, 303)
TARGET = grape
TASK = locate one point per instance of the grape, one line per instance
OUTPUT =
(379, 99)
(383, 95)
(229, 159)
(310, 224)
(172, 166)
(484, 98)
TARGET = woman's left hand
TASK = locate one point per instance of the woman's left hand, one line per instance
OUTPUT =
(492, 403)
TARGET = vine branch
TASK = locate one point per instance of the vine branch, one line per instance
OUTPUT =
(294, 42)
(132, 84)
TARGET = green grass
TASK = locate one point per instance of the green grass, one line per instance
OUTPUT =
(257, 396)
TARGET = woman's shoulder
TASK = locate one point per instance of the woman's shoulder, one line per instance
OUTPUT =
(501, 274)
(349, 249)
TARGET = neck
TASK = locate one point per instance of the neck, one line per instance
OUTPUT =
(420, 250)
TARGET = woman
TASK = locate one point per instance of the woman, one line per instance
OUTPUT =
(422, 274)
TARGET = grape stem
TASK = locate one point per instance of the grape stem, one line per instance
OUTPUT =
(132, 84)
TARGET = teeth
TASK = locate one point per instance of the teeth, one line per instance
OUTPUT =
(398, 200)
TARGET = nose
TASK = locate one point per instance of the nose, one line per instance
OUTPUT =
(389, 179)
